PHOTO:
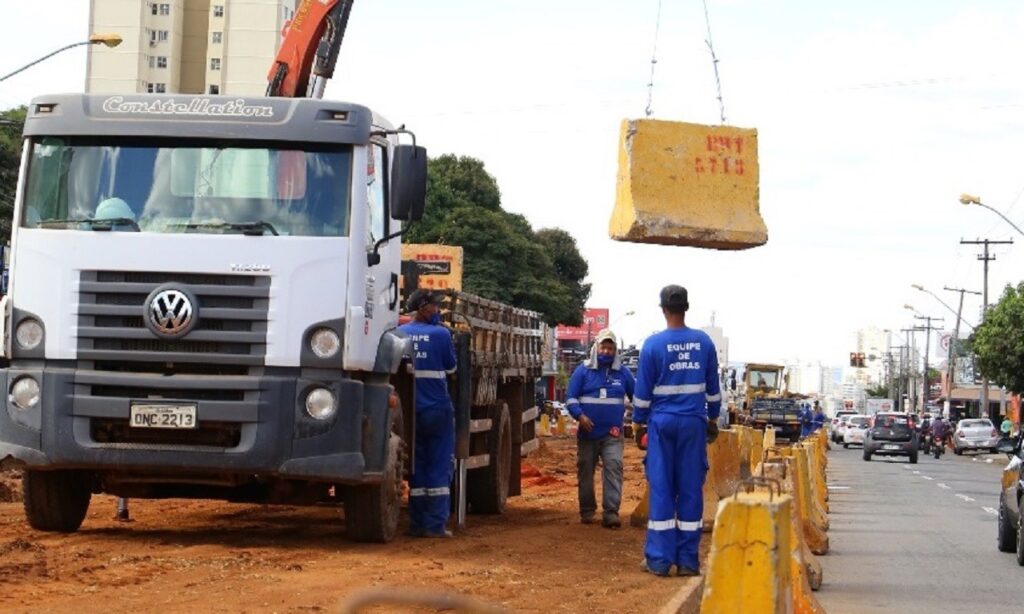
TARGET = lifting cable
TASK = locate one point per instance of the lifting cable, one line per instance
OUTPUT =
(654, 60)
(649, 110)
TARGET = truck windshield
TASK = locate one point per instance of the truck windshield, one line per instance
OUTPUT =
(763, 379)
(166, 186)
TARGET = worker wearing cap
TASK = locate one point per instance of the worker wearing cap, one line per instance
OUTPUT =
(678, 398)
(429, 494)
(597, 394)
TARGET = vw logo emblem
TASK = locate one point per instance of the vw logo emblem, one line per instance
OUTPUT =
(171, 312)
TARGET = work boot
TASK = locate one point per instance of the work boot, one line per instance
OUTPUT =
(415, 532)
(444, 534)
(586, 519)
(645, 567)
(612, 522)
(686, 571)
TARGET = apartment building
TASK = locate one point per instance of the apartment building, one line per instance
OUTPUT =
(186, 46)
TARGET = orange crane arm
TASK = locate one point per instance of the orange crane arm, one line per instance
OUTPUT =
(310, 47)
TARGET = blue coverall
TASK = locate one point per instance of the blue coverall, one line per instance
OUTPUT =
(806, 417)
(818, 421)
(430, 483)
(677, 392)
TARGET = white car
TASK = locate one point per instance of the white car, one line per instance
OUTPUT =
(838, 425)
(855, 430)
(975, 434)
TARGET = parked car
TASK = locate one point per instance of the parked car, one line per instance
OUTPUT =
(836, 425)
(1010, 536)
(975, 434)
(891, 434)
(855, 430)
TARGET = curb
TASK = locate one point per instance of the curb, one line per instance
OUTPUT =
(687, 599)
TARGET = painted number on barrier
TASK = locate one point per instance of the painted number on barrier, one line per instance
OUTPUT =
(717, 160)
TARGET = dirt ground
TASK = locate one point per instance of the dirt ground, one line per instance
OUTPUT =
(199, 556)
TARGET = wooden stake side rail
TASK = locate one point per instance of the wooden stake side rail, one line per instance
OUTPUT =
(506, 341)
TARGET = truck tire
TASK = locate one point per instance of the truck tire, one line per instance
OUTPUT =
(371, 511)
(55, 500)
(487, 487)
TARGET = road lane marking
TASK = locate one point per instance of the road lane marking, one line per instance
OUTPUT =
(917, 473)
(988, 460)
(990, 511)
(927, 478)
(941, 485)
(965, 498)
(839, 488)
(974, 460)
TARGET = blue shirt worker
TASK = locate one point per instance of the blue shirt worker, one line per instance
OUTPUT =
(818, 420)
(806, 419)
(430, 483)
(679, 398)
(597, 395)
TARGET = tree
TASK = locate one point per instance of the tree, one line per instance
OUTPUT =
(999, 341)
(504, 259)
(880, 391)
(10, 148)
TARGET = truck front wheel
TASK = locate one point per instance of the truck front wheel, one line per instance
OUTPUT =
(371, 511)
(55, 500)
(487, 487)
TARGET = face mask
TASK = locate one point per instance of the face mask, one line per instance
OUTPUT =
(434, 319)
(605, 360)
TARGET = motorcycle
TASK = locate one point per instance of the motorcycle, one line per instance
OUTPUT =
(938, 446)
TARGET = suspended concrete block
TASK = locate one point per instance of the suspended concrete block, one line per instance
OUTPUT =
(687, 184)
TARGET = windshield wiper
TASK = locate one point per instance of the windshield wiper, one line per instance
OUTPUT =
(96, 223)
(252, 229)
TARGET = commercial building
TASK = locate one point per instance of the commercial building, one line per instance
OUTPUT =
(186, 46)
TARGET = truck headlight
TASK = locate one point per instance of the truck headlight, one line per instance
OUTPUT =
(325, 343)
(25, 393)
(321, 404)
(29, 334)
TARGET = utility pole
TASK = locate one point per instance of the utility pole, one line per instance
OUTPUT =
(898, 367)
(985, 258)
(911, 388)
(925, 386)
(951, 357)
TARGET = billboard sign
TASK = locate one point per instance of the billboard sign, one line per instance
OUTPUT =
(593, 321)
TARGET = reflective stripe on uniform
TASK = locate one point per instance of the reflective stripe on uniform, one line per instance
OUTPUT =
(661, 525)
(451, 371)
(429, 492)
(682, 389)
(430, 374)
(573, 401)
(714, 397)
(600, 401)
(683, 525)
(641, 403)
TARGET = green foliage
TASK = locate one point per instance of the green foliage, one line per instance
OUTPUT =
(503, 258)
(999, 342)
(10, 149)
(878, 392)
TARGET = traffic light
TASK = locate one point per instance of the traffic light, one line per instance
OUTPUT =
(857, 359)
(860, 359)
(853, 359)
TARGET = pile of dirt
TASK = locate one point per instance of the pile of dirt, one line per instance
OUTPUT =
(10, 486)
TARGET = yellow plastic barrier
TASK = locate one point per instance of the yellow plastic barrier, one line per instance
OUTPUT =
(687, 184)
(749, 565)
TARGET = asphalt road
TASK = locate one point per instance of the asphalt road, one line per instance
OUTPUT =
(916, 538)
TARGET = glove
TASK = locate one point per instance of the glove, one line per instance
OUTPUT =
(640, 435)
(712, 431)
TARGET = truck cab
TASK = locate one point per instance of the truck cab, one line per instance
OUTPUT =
(202, 303)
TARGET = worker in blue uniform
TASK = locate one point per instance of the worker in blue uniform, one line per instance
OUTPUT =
(596, 398)
(818, 418)
(430, 483)
(806, 420)
(679, 399)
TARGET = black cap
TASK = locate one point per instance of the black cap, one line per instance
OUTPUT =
(674, 296)
(421, 298)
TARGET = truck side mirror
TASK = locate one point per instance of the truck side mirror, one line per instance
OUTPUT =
(408, 182)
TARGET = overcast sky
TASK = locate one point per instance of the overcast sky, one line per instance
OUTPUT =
(872, 120)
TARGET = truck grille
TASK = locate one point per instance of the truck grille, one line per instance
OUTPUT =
(231, 331)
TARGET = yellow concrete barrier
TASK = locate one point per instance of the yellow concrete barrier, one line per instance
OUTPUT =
(746, 438)
(756, 449)
(749, 565)
(723, 472)
(814, 531)
(769, 437)
(560, 426)
(687, 184)
(545, 426)
(638, 518)
(817, 475)
(808, 568)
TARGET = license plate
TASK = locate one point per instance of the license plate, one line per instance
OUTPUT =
(163, 416)
(890, 446)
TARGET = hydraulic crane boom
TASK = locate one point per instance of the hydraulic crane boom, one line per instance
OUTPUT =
(310, 48)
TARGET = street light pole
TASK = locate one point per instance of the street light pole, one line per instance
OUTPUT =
(951, 356)
(925, 386)
(110, 40)
(967, 199)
